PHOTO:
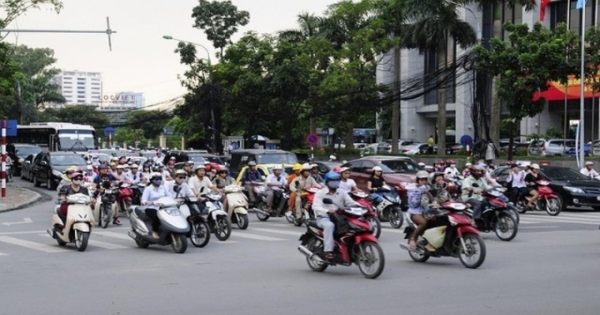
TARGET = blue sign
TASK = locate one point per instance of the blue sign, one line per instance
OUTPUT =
(466, 140)
(11, 128)
(312, 139)
(109, 131)
(168, 131)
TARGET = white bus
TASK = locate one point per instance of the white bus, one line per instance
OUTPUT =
(57, 136)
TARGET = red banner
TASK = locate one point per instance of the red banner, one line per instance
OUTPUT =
(557, 90)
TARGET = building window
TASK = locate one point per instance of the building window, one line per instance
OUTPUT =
(514, 16)
(431, 66)
(559, 10)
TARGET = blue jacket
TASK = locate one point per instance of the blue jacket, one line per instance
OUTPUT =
(250, 176)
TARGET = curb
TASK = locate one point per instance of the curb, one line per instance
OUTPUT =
(37, 197)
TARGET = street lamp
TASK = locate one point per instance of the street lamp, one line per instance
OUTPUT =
(169, 37)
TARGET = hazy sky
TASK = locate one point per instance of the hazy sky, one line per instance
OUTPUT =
(141, 60)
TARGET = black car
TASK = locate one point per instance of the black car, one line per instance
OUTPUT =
(49, 167)
(575, 189)
(27, 167)
(18, 152)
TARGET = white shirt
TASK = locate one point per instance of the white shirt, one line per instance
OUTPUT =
(153, 193)
(166, 176)
(518, 179)
(591, 174)
(158, 159)
(196, 184)
(186, 190)
(451, 172)
(272, 179)
(340, 199)
(347, 185)
(134, 178)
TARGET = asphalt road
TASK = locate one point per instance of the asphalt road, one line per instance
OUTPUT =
(549, 268)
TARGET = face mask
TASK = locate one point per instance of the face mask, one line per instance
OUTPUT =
(77, 182)
(335, 184)
(452, 165)
(156, 182)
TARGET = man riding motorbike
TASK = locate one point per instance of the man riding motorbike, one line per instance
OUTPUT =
(201, 181)
(347, 184)
(474, 195)
(275, 182)
(134, 176)
(152, 193)
(314, 172)
(340, 199)
(185, 189)
(304, 180)
(75, 187)
(251, 175)
(105, 175)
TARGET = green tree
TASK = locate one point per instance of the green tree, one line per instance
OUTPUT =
(525, 63)
(77, 114)
(8, 76)
(219, 20)
(129, 135)
(152, 122)
(12, 9)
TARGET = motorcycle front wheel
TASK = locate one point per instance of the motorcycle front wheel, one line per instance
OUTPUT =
(396, 217)
(474, 255)
(375, 226)
(222, 228)
(242, 221)
(506, 227)
(315, 245)
(106, 214)
(260, 215)
(81, 240)
(371, 260)
(553, 206)
(179, 243)
(200, 235)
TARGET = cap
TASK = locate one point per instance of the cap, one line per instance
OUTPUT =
(589, 163)
(535, 166)
(306, 167)
(251, 163)
(377, 169)
(277, 167)
(135, 166)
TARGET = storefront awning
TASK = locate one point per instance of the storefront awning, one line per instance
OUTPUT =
(572, 89)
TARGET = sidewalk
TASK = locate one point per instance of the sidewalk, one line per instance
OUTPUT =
(17, 197)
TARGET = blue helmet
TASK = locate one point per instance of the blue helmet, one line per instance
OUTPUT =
(332, 176)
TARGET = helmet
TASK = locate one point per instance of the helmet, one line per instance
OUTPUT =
(277, 167)
(468, 164)
(213, 167)
(451, 162)
(343, 169)
(222, 168)
(442, 162)
(433, 176)
(297, 167)
(422, 174)
(306, 167)
(589, 163)
(377, 168)
(89, 167)
(199, 167)
(180, 172)
(156, 168)
(134, 166)
(70, 169)
(535, 166)
(113, 164)
(336, 169)
(332, 176)
(155, 176)
(421, 164)
(314, 166)
(75, 174)
(120, 167)
(251, 163)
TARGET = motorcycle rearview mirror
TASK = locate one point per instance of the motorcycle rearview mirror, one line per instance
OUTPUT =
(327, 201)
(176, 188)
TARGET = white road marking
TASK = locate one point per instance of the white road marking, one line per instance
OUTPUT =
(32, 245)
(101, 244)
(256, 237)
(113, 235)
(278, 231)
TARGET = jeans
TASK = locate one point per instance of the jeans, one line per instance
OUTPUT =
(516, 192)
(328, 229)
(477, 207)
(376, 198)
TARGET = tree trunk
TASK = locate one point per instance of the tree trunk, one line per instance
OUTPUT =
(349, 137)
(441, 118)
(511, 139)
(496, 104)
(396, 106)
(313, 125)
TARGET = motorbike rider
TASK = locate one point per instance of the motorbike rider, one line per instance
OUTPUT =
(531, 180)
(297, 168)
(416, 205)
(200, 181)
(322, 211)
(304, 180)
(223, 179)
(347, 184)
(451, 171)
(74, 187)
(104, 175)
(66, 178)
(517, 179)
(314, 172)
(214, 167)
(152, 193)
(165, 174)
(113, 167)
(185, 189)
(467, 171)
(158, 158)
(89, 174)
(134, 176)
(275, 182)
(589, 171)
(120, 174)
(472, 191)
(251, 175)
(441, 167)
(187, 167)
(374, 182)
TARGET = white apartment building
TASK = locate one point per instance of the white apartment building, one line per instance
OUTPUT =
(80, 87)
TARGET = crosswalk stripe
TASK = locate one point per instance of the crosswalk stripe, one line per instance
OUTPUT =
(564, 220)
(113, 235)
(278, 231)
(256, 237)
(101, 244)
(31, 245)
(392, 230)
(3, 254)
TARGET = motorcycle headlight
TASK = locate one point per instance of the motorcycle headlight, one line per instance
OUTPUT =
(574, 189)
(56, 173)
(173, 211)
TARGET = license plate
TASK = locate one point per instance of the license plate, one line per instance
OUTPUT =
(108, 191)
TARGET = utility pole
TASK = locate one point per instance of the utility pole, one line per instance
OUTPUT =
(20, 103)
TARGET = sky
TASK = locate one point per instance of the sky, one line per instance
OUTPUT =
(141, 60)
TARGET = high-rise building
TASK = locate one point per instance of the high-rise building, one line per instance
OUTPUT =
(80, 87)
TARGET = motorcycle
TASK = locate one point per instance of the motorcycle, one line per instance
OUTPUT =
(451, 234)
(389, 209)
(455, 185)
(496, 217)
(307, 196)
(261, 208)
(105, 206)
(236, 205)
(362, 199)
(217, 218)
(138, 191)
(125, 197)
(173, 226)
(547, 200)
(354, 243)
(78, 225)
(510, 206)
(9, 173)
(199, 232)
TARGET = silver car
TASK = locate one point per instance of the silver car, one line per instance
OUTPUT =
(551, 147)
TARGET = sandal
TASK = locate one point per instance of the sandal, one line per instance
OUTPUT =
(116, 222)
(473, 223)
(329, 256)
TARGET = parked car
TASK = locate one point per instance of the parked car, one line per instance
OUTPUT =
(424, 147)
(18, 152)
(575, 189)
(239, 158)
(554, 147)
(49, 167)
(397, 172)
(386, 147)
(27, 168)
(326, 166)
(412, 149)
(453, 148)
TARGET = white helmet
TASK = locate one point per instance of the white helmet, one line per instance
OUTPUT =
(377, 168)
(277, 167)
(535, 166)
(422, 174)
(198, 167)
(306, 167)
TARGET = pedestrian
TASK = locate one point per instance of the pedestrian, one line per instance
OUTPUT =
(490, 153)
(430, 143)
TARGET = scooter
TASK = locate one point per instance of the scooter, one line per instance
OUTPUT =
(354, 243)
(138, 191)
(217, 218)
(125, 197)
(78, 225)
(261, 206)
(173, 226)
(236, 205)
(389, 209)
(307, 196)
(450, 234)
(495, 216)
(199, 233)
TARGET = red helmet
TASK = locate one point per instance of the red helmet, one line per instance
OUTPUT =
(451, 162)
(212, 166)
(336, 169)
(442, 162)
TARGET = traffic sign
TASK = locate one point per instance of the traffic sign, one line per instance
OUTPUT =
(312, 139)
(466, 140)
(11, 128)
(109, 131)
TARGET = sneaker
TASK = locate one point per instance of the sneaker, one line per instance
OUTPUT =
(288, 214)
